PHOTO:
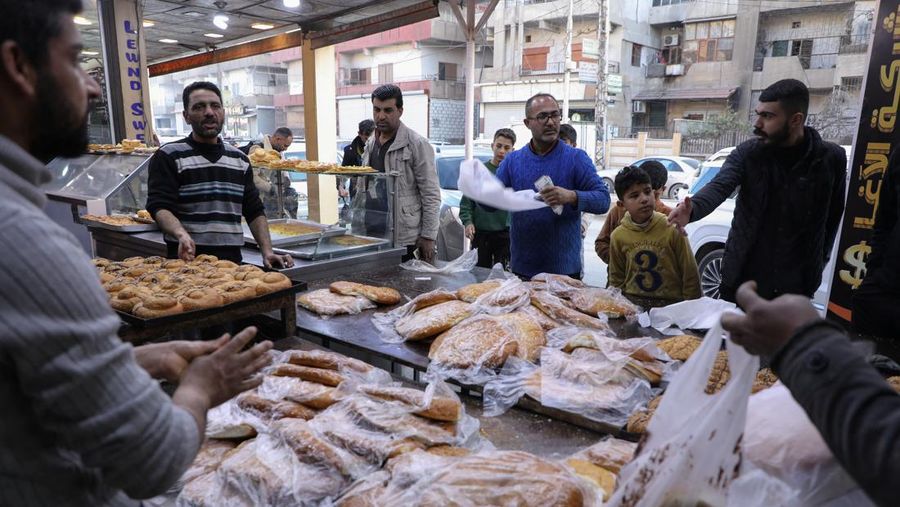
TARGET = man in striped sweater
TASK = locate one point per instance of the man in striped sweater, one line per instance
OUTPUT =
(84, 422)
(199, 187)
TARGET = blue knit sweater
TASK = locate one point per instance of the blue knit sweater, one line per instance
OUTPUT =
(541, 240)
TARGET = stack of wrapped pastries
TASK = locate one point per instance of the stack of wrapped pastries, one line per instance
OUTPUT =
(152, 287)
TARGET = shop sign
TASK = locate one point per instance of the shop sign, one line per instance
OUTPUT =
(587, 72)
(614, 84)
(130, 73)
(590, 47)
(876, 137)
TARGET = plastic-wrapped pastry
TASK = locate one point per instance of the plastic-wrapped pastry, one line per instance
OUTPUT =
(432, 320)
(380, 295)
(325, 302)
(610, 302)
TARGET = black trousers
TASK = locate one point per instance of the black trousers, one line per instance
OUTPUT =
(225, 253)
(493, 247)
(875, 311)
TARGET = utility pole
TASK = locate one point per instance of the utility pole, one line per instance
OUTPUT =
(568, 64)
(600, 155)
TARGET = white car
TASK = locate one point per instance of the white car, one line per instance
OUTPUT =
(708, 235)
(682, 173)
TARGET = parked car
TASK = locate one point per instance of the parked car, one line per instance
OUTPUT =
(682, 172)
(708, 235)
(451, 240)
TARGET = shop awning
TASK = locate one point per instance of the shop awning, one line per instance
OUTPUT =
(686, 94)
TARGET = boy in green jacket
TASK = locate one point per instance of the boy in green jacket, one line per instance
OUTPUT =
(647, 258)
(486, 227)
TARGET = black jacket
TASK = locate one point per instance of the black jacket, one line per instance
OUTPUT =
(353, 152)
(816, 206)
(853, 408)
(883, 264)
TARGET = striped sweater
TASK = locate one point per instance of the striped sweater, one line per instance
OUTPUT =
(82, 423)
(207, 187)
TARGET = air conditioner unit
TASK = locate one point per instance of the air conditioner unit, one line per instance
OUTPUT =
(670, 40)
(638, 106)
(675, 70)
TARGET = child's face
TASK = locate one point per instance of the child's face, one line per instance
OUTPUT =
(639, 201)
(501, 147)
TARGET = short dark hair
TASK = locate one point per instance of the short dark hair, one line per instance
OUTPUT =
(33, 23)
(198, 85)
(628, 177)
(657, 172)
(792, 94)
(536, 96)
(283, 131)
(567, 132)
(507, 133)
(387, 92)
(366, 126)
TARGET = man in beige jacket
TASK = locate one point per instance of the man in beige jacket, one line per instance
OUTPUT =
(396, 150)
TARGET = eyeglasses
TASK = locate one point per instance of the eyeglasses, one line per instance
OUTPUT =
(543, 117)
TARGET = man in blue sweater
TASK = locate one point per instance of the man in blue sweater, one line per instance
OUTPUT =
(540, 240)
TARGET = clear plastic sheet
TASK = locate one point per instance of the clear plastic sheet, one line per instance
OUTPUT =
(615, 349)
(325, 303)
(509, 296)
(700, 313)
(462, 264)
(597, 301)
(609, 453)
(562, 311)
(385, 323)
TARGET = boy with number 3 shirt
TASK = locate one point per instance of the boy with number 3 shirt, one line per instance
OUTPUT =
(647, 258)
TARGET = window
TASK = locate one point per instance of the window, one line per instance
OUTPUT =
(446, 71)
(359, 76)
(535, 59)
(851, 84)
(780, 48)
(795, 24)
(386, 73)
(803, 49)
(710, 41)
(636, 55)
(527, 38)
(671, 56)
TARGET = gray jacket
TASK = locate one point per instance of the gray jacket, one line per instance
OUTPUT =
(411, 159)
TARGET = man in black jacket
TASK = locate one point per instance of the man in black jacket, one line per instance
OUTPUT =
(876, 301)
(854, 409)
(790, 203)
(353, 154)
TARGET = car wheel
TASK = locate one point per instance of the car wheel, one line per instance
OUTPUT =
(609, 184)
(710, 268)
(675, 189)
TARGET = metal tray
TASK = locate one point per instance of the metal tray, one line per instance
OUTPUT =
(280, 240)
(196, 315)
(91, 224)
(328, 248)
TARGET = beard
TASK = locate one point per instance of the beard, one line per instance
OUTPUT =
(203, 132)
(776, 138)
(61, 131)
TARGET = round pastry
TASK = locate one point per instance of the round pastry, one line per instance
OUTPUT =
(158, 305)
(236, 291)
(200, 298)
(135, 272)
(117, 284)
(114, 267)
(133, 261)
(271, 282)
(154, 260)
(100, 262)
(248, 275)
(205, 259)
(173, 264)
(154, 278)
(175, 282)
(225, 265)
(106, 277)
(193, 270)
(248, 267)
(126, 299)
(217, 275)
(216, 283)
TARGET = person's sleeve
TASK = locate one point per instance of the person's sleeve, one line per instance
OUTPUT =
(853, 408)
(252, 206)
(722, 185)
(429, 190)
(466, 210)
(836, 210)
(617, 264)
(593, 196)
(81, 382)
(690, 277)
(503, 173)
(886, 216)
(601, 244)
(162, 184)
(348, 155)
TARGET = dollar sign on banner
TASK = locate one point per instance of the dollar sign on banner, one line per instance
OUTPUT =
(855, 256)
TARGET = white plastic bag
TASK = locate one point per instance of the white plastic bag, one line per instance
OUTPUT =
(462, 264)
(478, 184)
(700, 313)
(692, 450)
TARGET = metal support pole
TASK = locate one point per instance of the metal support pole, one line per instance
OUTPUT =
(600, 155)
(470, 76)
(567, 77)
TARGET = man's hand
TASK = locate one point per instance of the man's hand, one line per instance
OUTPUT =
(470, 231)
(273, 260)
(767, 326)
(168, 360)
(426, 249)
(557, 196)
(215, 378)
(343, 192)
(186, 248)
(681, 215)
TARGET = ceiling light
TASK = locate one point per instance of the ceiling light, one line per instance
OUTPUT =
(81, 20)
(168, 41)
(147, 23)
(89, 53)
(262, 26)
(221, 21)
(213, 35)
(291, 3)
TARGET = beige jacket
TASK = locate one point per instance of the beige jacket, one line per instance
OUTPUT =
(411, 159)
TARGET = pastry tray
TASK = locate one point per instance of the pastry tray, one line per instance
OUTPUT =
(120, 228)
(205, 313)
(279, 240)
(328, 248)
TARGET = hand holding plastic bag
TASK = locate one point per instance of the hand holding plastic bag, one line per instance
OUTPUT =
(693, 448)
(478, 184)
